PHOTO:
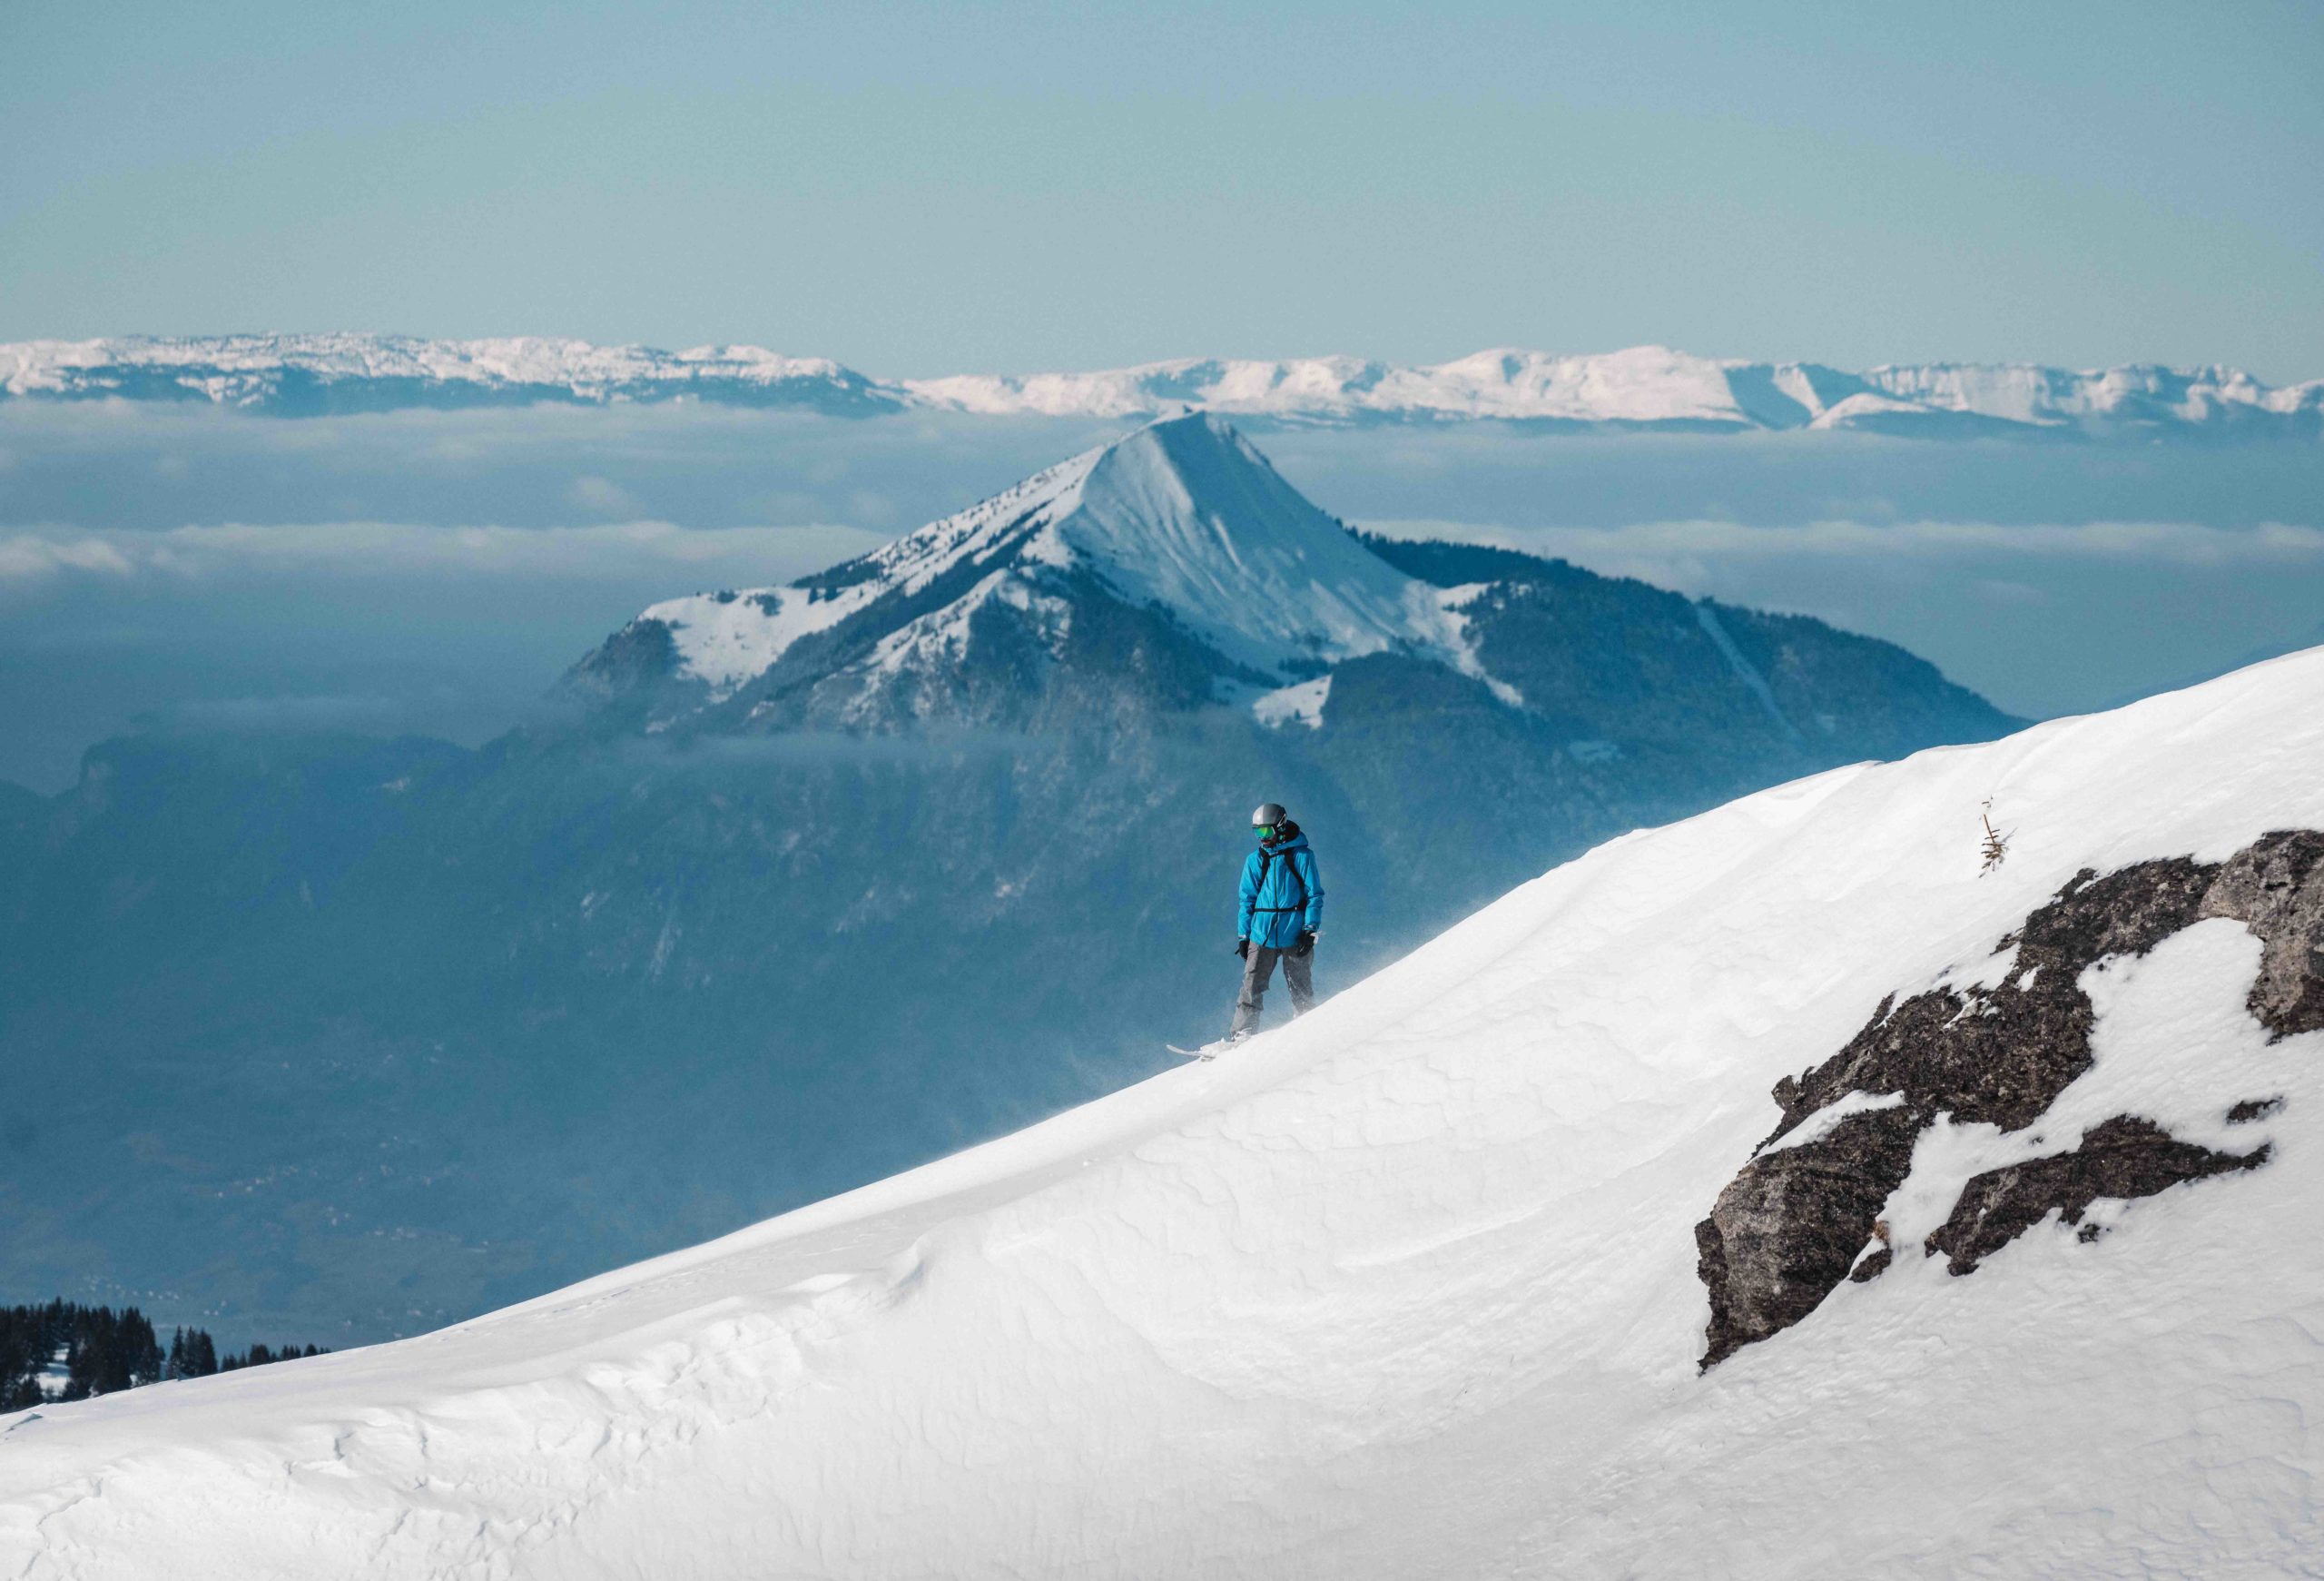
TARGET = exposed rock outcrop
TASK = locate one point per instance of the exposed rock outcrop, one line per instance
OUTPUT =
(1800, 1218)
(1790, 1226)
(2124, 1158)
(2273, 886)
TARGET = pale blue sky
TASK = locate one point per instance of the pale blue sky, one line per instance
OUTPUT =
(918, 188)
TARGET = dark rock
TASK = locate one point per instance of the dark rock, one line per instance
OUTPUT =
(1790, 1227)
(2275, 886)
(2001, 1055)
(2252, 1109)
(2124, 1158)
(1786, 1230)
(640, 658)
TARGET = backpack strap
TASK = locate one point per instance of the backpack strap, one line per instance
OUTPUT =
(1266, 857)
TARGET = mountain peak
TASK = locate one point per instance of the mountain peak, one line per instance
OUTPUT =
(1186, 513)
(1182, 517)
(1175, 568)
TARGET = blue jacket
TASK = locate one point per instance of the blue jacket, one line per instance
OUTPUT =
(1282, 894)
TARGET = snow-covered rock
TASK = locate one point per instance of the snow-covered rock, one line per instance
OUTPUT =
(1639, 387)
(1415, 1286)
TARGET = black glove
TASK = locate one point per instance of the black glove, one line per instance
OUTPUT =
(1242, 948)
(1307, 944)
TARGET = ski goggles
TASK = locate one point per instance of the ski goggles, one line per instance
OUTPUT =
(1263, 831)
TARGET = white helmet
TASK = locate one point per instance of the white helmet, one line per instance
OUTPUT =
(1267, 815)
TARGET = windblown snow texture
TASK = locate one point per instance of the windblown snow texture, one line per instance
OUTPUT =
(1410, 1286)
(1644, 387)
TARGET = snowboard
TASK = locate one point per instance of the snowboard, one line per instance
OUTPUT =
(1207, 1051)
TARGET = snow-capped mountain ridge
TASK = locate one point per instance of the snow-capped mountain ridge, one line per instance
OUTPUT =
(1644, 386)
(1641, 387)
(1174, 569)
(1182, 515)
(729, 638)
(317, 374)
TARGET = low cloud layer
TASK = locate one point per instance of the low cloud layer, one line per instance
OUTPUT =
(613, 551)
(26, 557)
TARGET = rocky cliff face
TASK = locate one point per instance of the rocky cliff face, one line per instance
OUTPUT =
(1807, 1211)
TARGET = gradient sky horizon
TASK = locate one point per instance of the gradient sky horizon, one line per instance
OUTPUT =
(918, 189)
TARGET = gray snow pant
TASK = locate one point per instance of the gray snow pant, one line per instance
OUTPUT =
(1259, 971)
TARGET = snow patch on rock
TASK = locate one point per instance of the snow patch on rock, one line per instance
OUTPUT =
(1302, 703)
(728, 639)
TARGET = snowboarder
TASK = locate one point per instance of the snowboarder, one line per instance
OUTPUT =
(1280, 915)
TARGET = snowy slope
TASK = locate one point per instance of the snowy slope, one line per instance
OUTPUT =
(1411, 1287)
(1642, 386)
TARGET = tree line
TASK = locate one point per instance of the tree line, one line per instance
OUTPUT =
(103, 1351)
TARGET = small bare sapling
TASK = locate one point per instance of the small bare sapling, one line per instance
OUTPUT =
(1995, 847)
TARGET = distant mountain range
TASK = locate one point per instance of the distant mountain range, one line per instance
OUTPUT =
(807, 884)
(1645, 387)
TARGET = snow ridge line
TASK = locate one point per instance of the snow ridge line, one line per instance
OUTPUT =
(1639, 386)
